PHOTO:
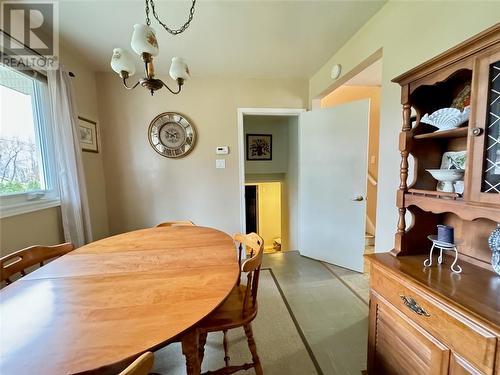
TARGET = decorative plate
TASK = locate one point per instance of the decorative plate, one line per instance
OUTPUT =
(462, 100)
(171, 135)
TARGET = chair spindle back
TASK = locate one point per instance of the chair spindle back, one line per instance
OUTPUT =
(141, 366)
(21, 260)
(250, 266)
(178, 223)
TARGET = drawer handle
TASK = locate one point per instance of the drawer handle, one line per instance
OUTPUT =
(413, 305)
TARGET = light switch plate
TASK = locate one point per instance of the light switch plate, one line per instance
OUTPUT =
(220, 163)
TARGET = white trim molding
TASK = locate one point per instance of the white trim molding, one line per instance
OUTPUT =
(241, 146)
(28, 205)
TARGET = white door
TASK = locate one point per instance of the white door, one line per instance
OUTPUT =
(332, 183)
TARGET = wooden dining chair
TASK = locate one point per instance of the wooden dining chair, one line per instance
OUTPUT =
(141, 366)
(239, 309)
(20, 261)
(178, 223)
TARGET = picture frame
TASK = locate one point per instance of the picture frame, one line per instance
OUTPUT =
(88, 135)
(259, 147)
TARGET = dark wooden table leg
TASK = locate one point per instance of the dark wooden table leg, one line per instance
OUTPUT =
(190, 342)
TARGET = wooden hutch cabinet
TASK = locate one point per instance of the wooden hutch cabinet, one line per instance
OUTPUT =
(429, 320)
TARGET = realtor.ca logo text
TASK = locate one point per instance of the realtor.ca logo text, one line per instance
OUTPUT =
(29, 35)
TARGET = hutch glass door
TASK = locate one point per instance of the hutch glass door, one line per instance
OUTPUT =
(485, 132)
(491, 167)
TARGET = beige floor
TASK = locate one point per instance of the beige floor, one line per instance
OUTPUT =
(280, 346)
(357, 282)
(313, 319)
(332, 315)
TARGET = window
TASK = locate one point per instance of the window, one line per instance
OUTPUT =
(27, 182)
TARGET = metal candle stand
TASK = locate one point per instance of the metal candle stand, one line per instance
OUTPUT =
(442, 246)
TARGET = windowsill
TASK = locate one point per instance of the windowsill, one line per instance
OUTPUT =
(28, 206)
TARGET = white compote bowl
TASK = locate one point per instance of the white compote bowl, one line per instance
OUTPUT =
(447, 177)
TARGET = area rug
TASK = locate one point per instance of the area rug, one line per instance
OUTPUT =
(281, 348)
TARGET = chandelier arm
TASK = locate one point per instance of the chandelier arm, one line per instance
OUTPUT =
(169, 89)
(171, 31)
(128, 87)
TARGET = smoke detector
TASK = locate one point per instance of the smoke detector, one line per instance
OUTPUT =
(336, 70)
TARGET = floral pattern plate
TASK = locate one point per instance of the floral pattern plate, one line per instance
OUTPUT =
(453, 159)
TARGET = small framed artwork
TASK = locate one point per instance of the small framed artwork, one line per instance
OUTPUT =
(259, 147)
(88, 134)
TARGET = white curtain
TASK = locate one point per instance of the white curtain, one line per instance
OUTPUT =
(68, 154)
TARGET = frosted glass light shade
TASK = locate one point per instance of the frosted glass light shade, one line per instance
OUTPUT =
(144, 40)
(179, 69)
(122, 60)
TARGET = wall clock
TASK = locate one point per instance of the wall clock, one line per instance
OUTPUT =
(171, 135)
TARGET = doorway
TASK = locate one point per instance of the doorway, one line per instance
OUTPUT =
(269, 177)
(263, 204)
(365, 84)
(251, 207)
(328, 160)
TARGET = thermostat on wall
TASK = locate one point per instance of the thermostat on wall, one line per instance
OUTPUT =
(222, 150)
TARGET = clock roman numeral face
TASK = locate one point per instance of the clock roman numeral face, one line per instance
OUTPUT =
(171, 135)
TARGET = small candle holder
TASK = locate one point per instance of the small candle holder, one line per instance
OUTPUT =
(443, 246)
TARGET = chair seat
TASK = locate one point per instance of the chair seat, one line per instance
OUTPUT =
(229, 314)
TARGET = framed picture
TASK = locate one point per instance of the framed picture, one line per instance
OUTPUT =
(259, 147)
(88, 134)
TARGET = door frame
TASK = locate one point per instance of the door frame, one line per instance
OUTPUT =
(289, 112)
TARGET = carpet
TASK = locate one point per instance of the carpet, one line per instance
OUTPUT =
(280, 346)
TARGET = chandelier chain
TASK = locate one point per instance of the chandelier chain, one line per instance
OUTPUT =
(171, 31)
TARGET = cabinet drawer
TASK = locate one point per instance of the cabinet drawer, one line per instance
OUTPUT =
(404, 348)
(472, 342)
(459, 366)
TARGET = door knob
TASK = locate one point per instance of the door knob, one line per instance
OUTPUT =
(477, 132)
(358, 198)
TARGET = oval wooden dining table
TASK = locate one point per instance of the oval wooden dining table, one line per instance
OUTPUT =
(100, 306)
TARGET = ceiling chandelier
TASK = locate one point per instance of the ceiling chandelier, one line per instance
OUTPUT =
(144, 43)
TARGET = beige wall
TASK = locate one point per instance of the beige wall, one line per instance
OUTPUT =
(345, 94)
(144, 188)
(45, 226)
(409, 33)
(40, 227)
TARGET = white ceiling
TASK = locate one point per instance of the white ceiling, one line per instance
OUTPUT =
(371, 76)
(226, 38)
